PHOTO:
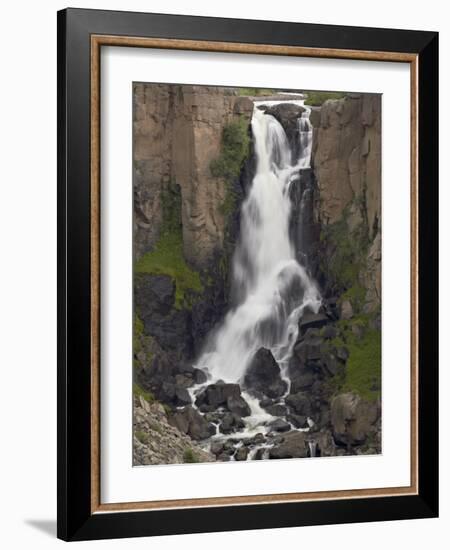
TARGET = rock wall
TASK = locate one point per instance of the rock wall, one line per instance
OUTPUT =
(346, 160)
(177, 131)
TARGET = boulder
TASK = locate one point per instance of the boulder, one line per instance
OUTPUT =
(293, 445)
(216, 395)
(279, 425)
(238, 405)
(297, 420)
(231, 423)
(241, 454)
(191, 422)
(352, 418)
(346, 310)
(301, 381)
(263, 375)
(277, 409)
(309, 350)
(312, 320)
(300, 403)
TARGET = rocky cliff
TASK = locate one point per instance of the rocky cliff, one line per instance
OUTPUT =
(178, 130)
(346, 160)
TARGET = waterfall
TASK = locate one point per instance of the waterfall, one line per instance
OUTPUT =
(271, 286)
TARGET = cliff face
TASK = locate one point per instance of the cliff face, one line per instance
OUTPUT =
(178, 130)
(346, 160)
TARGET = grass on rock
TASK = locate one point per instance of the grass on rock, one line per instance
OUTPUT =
(316, 99)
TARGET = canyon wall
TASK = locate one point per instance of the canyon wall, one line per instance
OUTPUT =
(346, 160)
(177, 132)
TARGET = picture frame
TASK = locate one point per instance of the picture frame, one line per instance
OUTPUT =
(81, 36)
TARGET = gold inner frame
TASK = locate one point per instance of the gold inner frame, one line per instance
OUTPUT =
(97, 41)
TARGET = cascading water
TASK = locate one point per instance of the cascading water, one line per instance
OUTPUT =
(271, 286)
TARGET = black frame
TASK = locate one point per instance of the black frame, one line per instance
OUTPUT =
(75, 521)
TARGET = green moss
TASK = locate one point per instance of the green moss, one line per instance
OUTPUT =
(167, 259)
(189, 456)
(167, 256)
(140, 392)
(138, 331)
(142, 436)
(316, 99)
(363, 372)
(356, 294)
(255, 91)
(235, 149)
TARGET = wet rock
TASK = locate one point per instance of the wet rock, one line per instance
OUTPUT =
(352, 418)
(189, 421)
(199, 376)
(280, 425)
(216, 395)
(297, 420)
(182, 396)
(300, 403)
(216, 447)
(231, 423)
(277, 409)
(293, 445)
(312, 320)
(309, 351)
(301, 381)
(241, 454)
(238, 405)
(263, 375)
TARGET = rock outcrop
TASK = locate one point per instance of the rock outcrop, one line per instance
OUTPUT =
(177, 132)
(346, 159)
(155, 441)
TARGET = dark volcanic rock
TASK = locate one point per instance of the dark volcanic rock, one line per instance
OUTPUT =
(238, 405)
(297, 420)
(287, 115)
(280, 425)
(294, 445)
(241, 454)
(231, 423)
(312, 320)
(191, 422)
(300, 403)
(276, 409)
(263, 375)
(301, 381)
(217, 395)
(155, 304)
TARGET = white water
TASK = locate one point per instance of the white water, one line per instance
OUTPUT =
(273, 289)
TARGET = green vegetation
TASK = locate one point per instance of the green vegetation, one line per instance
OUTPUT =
(140, 392)
(228, 166)
(362, 374)
(138, 331)
(253, 92)
(316, 99)
(235, 149)
(142, 436)
(167, 256)
(189, 456)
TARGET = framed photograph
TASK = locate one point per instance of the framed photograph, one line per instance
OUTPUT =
(247, 274)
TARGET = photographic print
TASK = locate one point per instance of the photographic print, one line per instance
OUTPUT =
(257, 274)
